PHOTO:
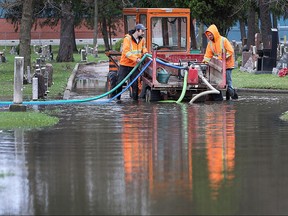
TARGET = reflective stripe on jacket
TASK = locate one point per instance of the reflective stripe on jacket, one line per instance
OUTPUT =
(216, 47)
(131, 50)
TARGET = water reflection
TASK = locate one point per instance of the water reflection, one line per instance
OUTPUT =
(138, 158)
(14, 187)
(220, 141)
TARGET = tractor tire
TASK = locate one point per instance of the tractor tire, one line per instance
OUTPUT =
(152, 95)
(111, 83)
(139, 88)
(214, 97)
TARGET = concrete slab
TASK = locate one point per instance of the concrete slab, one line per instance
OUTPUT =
(86, 71)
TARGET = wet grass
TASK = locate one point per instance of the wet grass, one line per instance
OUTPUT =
(61, 74)
(284, 116)
(258, 81)
(6, 174)
(26, 120)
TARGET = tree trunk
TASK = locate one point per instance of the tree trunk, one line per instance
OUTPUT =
(202, 38)
(265, 23)
(65, 53)
(25, 32)
(110, 35)
(95, 23)
(251, 27)
(242, 29)
(105, 34)
(192, 33)
(74, 42)
(274, 21)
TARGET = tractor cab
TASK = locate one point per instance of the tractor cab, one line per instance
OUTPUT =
(168, 29)
(168, 33)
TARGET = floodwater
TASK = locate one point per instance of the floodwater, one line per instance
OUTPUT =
(224, 158)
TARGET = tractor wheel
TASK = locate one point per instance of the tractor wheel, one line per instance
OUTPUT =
(111, 83)
(215, 97)
(152, 95)
(148, 95)
(139, 87)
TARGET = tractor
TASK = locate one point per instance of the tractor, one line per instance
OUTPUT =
(168, 41)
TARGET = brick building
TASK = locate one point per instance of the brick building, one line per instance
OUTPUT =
(48, 35)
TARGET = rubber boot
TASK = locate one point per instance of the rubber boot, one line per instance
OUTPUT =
(117, 92)
(231, 92)
(227, 95)
(235, 95)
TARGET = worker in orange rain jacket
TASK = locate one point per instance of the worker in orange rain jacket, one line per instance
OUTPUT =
(215, 47)
(132, 50)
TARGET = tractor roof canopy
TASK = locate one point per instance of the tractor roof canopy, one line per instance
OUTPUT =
(168, 29)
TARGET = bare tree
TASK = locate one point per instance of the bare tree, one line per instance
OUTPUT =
(95, 43)
(242, 29)
(20, 13)
(95, 22)
(266, 24)
(251, 27)
(192, 33)
(67, 40)
(25, 32)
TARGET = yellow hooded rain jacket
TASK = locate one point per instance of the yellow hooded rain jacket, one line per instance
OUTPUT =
(214, 48)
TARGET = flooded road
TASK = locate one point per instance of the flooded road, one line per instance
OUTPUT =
(220, 158)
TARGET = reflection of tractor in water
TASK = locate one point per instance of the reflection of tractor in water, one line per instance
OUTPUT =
(173, 66)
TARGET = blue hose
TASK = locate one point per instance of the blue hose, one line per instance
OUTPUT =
(167, 64)
(130, 83)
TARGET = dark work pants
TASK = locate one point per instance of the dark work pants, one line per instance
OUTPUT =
(123, 72)
(229, 78)
(230, 89)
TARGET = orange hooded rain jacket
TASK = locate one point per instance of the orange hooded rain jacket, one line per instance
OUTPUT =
(214, 48)
(131, 50)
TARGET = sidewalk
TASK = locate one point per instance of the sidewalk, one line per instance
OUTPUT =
(94, 70)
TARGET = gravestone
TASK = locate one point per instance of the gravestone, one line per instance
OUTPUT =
(49, 71)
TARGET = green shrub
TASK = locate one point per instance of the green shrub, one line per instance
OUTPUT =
(118, 44)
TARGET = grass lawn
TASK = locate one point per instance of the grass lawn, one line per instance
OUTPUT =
(284, 116)
(29, 119)
(258, 81)
(61, 74)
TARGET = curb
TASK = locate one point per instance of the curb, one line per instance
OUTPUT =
(70, 83)
(262, 90)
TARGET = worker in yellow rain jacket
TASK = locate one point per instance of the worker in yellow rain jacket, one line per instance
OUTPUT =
(133, 49)
(216, 46)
